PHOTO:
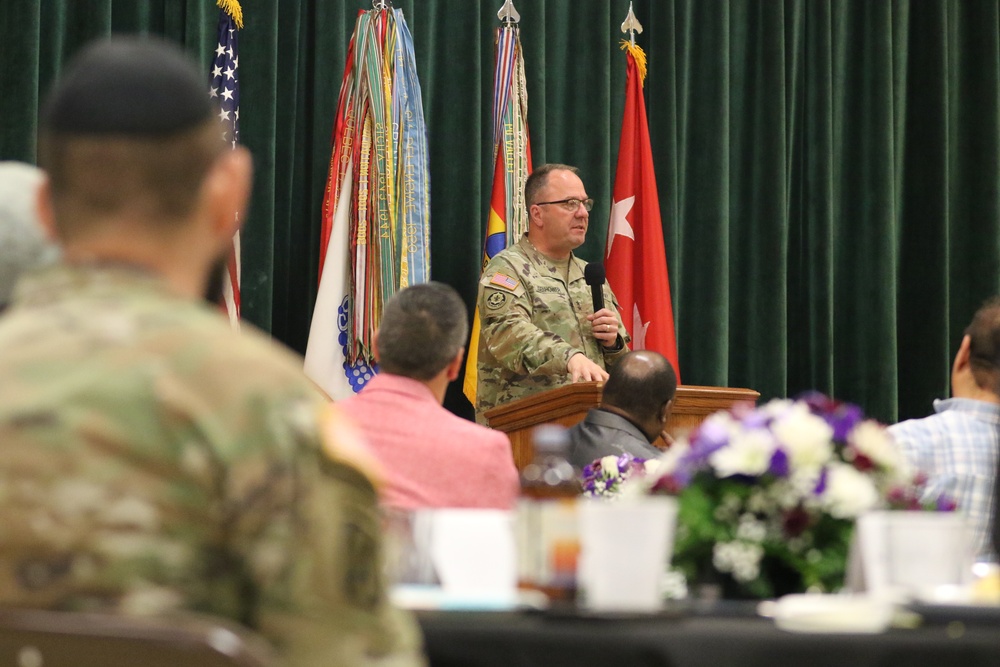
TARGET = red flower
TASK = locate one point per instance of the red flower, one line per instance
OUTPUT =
(795, 522)
(862, 462)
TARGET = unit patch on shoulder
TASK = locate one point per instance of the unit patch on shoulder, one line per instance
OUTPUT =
(496, 300)
(503, 280)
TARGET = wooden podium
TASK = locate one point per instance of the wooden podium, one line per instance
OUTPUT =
(568, 405)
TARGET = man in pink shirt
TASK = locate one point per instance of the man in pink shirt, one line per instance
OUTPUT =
(430, 457)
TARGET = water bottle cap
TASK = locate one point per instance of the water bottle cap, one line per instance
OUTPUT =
(551, 438)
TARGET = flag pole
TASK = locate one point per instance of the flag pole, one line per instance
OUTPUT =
(376, 206)
(507, 217)
(635, 253)
(224, 88)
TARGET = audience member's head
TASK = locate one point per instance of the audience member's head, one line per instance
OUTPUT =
(22, 241)
(133, 153)
(422, 332)
(641, 387)
(984, 346)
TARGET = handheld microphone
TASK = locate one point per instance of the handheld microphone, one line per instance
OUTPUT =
(593, 273)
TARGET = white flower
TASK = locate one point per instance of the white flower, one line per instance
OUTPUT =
(748, 453)
(848, 492)
(800, 488)
(751, 529)
(806, 438)
(673, 585)
(609, 465)
(667, 463)
(651, 466)
(872, 440)
(742, 559)
(777, 407)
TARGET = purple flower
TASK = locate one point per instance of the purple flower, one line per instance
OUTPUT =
(779, 463)
(709, 437)
(683, 473)
(821, 484)
(842, 417)
(625, 463)
(945, 504)
(820, 404)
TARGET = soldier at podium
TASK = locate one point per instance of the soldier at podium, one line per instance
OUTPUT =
(538, 325)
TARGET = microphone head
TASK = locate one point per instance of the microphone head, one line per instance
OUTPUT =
(593, 273)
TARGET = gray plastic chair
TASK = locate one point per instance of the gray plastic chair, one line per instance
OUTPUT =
(30, 638)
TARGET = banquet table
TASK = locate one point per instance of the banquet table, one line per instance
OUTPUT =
(732, 635)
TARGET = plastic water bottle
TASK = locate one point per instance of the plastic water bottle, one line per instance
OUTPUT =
(548, 534)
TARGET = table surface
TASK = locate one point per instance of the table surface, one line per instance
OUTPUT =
(726, 636)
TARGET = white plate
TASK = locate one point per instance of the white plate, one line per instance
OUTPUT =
(423, 597)
(830, 613)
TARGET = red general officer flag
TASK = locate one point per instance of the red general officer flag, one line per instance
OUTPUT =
(635, 257)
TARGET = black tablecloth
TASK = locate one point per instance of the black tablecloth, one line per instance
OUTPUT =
(522, 639)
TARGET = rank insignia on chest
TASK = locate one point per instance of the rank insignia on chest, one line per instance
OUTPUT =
(495, 300)
(505, 281)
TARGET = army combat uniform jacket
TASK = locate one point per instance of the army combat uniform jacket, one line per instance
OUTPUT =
(153, 461)
(533, 318)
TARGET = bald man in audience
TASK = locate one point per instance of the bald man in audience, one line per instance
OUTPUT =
(635, 407)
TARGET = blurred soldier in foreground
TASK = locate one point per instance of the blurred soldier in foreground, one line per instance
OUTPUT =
(152, 460)
(22, 243)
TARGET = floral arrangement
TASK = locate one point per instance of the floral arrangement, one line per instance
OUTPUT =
(768, 496)
(606, 476)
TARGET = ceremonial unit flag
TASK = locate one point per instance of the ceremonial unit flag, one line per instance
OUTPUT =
(225, 90)
(508, 217)
(375, 236)
(636, 260)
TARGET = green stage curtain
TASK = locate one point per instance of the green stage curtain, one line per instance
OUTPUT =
(827, 170)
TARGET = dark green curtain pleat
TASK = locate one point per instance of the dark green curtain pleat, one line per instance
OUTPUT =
(828, 170)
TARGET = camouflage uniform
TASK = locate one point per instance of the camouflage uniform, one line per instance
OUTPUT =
(153, 460)
(532, 321)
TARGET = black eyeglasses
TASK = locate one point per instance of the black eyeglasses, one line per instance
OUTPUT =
(570, 205)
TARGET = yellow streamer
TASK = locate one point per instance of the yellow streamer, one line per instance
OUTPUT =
(640, 58)
(232, 7)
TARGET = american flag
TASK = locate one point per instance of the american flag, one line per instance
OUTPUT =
(225, 90)
(504, 281)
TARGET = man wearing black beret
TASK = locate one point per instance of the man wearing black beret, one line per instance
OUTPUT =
(151, 459)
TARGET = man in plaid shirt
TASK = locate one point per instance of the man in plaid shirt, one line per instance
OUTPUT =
(957, 447)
